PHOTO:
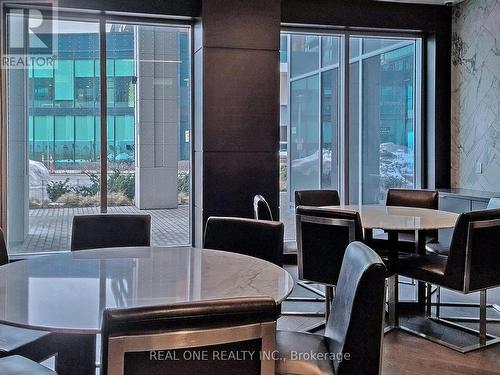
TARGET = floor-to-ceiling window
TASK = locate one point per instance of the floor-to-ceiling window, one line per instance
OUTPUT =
(55, 166)
(382, 119)
(376, 141)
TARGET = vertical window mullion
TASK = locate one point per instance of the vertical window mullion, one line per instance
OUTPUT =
(104, 114)
(289, 115)
(360, 123)
(320, 116)
(344, 119)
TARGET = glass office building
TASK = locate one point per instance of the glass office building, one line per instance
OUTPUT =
(64, 102)
(381, 119)
(55, 166)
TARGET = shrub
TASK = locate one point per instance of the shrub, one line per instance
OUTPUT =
(56, 189)
(93, 189)
(183, 182)
(123, 183)
(283, 177)
(75, 200)
(70, 200)
(119, 199)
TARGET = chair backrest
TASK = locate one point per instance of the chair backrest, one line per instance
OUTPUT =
(261, 209)
(322, 238)
(4, 256)
(190, 338)
(258, 238)
(355, 328)
(317, 198)
(413, 198)
(493, 203)
(98, 231)
(474, 258)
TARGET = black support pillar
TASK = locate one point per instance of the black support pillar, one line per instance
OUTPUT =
(236, 105)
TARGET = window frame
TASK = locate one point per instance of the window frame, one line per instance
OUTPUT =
(345, 60)
(102, 19)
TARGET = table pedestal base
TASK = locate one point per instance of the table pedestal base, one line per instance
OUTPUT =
(76, 354)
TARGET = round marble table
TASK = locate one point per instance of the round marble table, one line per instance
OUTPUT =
(401, 218)
(67, 293)
(397, 218)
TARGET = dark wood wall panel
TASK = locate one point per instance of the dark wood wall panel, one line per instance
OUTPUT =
(238, 58)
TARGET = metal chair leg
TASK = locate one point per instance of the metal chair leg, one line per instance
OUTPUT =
(320, 298)
(484, 339)
(462, 319)
(311, 289)
(428, 311)
(482, 318)
(438, 301)
(328, 301)
(329, 295)
(393, 301)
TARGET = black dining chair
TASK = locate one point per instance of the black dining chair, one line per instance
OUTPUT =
(17, 365)
(323, 235)
(471, 266)
(352, 343)
(188, 338)
(409, 198)
(258, 238)
(261, 209)
(317, 198)
(110, 230)
(35, 345)
(443, 247)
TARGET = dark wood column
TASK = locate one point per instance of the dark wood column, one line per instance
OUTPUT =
(236, 84)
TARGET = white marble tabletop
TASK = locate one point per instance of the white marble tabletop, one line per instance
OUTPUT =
(67, 292)
(401, 218)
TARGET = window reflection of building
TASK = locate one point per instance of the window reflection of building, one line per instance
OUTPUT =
(64, 113)
(381, 110)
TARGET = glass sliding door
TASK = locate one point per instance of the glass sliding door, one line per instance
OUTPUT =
(149, 122)
(309, 154)
(383, 112)
(314, 119)
(55, 166)
(383, 104)
(330, 119)
(52, 155)
(304, 123)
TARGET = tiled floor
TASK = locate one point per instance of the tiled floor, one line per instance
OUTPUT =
(50, 228)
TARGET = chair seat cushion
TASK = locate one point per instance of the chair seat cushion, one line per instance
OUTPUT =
(17, 365)
(15, 339)
(295, 349)
(429, 267)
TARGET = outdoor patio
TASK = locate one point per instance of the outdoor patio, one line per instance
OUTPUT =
(50, 228)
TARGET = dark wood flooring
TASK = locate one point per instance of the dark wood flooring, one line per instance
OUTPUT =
(405, 353)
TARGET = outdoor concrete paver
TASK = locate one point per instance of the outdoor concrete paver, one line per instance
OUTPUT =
(50, 228)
